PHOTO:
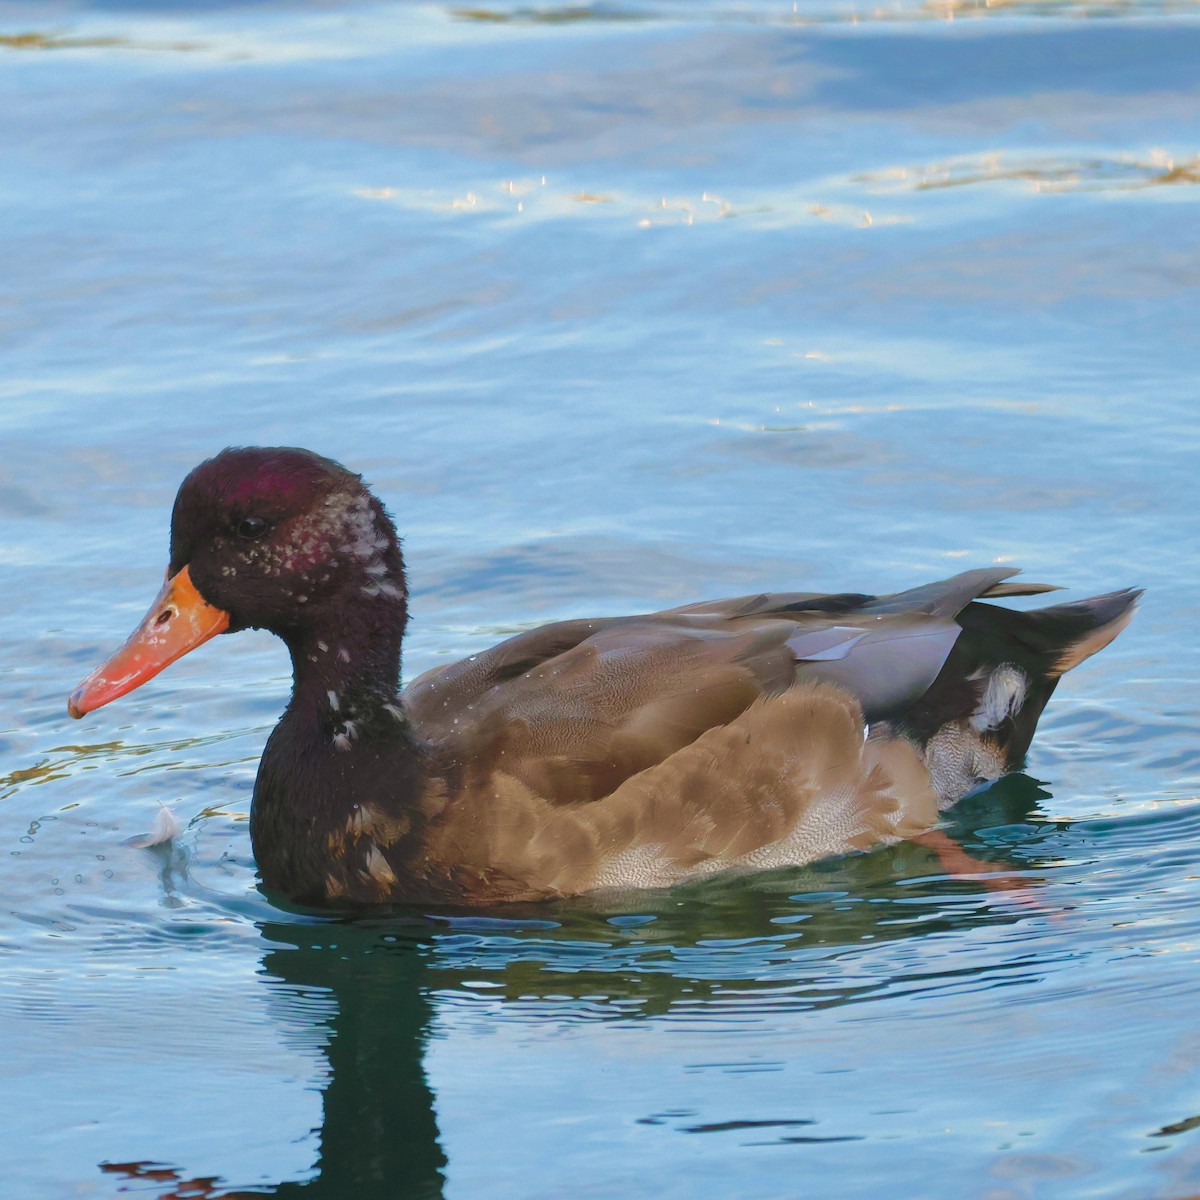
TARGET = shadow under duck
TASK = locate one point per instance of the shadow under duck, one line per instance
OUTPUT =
(754, 732)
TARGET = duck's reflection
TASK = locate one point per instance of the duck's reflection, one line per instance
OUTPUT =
(378, 1135)
(681, 948)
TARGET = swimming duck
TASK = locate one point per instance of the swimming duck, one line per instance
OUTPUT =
(619, 752)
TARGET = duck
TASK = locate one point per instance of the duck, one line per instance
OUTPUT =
(644, 751)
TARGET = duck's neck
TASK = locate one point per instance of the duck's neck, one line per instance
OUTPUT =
(340, 780)
(345, 643)
(346, 672)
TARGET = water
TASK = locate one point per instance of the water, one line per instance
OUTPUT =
(617, 307)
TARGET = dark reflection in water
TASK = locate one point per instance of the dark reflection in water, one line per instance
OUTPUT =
(378, 1136)
(369, 987)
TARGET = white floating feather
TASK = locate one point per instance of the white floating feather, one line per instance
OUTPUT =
(167, 827)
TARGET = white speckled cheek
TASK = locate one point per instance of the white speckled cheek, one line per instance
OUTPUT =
(310, 544)
(307, 552)
(343, 527)
(364, 540)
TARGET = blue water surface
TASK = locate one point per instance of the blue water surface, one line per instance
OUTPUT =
(617, 306)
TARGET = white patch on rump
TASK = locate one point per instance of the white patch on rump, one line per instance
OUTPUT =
(1007, 687)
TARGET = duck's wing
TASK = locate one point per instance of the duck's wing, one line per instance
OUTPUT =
(904, 639)
(575, 708)
(945, 597)
(787, 781)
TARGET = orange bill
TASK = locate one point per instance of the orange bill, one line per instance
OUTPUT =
(179, 620)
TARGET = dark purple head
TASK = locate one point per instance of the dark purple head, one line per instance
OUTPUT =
(281, 538)
(273, 538)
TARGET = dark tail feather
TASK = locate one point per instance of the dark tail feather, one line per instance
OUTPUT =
(1054, 640)
(1063, 635)
(1043, 643)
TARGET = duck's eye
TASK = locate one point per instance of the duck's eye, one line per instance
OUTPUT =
(252, 528)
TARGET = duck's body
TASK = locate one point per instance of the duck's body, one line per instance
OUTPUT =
(619, 752)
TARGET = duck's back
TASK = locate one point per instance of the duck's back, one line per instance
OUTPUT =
(575, 709)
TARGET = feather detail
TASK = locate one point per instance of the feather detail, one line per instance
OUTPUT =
(167, 827)
(788, 781)
(1018, 589)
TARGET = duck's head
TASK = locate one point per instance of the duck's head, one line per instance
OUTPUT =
(273, 538)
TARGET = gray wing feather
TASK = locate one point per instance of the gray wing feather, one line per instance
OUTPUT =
(904, 643)
(886, 650)
(824, 644)
(889, 667)
(946, 597)
(1018, 589)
